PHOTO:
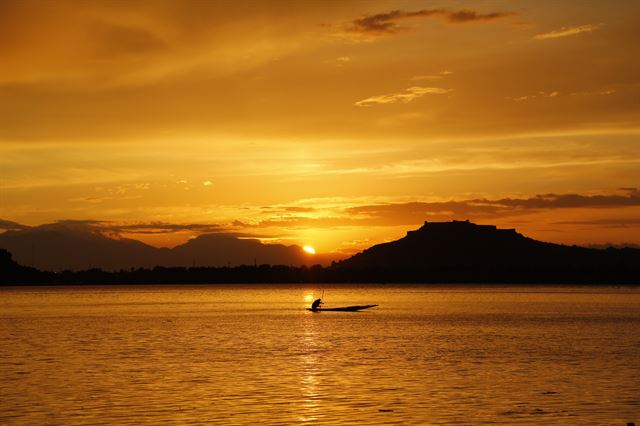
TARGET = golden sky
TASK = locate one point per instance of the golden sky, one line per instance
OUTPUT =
(331, 124)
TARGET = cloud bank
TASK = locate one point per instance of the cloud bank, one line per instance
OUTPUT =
(348, 214)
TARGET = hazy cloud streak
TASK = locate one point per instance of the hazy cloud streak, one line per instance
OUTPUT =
(568, 31)
(406, 96)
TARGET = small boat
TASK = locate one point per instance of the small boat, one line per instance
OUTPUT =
(342, 309)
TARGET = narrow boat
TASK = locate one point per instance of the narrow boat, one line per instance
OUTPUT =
(342, 309)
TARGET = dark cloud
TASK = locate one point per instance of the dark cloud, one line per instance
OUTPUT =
(76, 222)
(73, 225)
(65, 226)
(554, 201)
(113, 39)
(417, 212)
(299, 209)
(163, 228)
(113, 228)
(608, 223)
(118, 230)
(481, 208)
(387, 23)
(464, 16)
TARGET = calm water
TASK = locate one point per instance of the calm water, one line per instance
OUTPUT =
(239, 355)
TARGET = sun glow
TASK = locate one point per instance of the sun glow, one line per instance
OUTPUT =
(309, 249)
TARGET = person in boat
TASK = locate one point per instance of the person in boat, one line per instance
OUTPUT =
(316, 304)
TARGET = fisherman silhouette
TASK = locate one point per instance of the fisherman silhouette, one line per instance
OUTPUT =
(316, 304)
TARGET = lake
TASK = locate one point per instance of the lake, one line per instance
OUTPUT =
(252, 354)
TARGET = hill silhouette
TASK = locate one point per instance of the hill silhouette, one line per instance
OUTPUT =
(462, 251)
(77, 246)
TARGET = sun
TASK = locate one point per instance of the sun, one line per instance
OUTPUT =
(309, 249)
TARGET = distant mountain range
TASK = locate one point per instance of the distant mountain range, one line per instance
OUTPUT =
(60, 246)
(438, 252)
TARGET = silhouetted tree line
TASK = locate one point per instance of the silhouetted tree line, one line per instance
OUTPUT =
(606, 272)
(12, 273)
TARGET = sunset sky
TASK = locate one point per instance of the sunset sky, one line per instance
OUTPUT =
(331, 124)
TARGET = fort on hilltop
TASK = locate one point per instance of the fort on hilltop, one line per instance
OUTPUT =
(459, 225)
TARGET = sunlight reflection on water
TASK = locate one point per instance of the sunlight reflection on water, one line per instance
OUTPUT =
(310, 369)
(246, 354)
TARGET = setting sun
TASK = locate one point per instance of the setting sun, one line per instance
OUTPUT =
(309, 249)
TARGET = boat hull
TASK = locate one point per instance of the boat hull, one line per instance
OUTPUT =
(342, 309)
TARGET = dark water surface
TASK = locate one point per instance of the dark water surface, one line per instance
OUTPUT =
(252, 354)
